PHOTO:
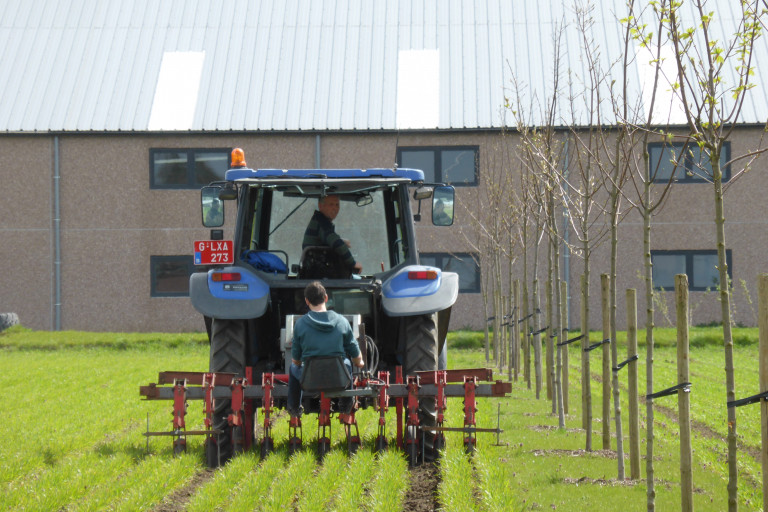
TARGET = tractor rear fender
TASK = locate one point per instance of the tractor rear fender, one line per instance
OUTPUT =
(407, 296)
(236, 298)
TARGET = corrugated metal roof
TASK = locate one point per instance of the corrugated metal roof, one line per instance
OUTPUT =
(94, 65)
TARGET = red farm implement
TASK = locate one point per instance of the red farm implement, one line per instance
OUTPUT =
(380, 392)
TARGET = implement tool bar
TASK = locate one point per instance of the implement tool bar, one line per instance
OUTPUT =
(497, 389)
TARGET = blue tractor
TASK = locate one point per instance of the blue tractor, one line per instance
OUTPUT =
(252, 291)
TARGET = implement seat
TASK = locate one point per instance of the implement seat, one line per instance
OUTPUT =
(326, 374)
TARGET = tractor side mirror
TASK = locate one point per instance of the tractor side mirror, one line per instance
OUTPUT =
(443, 200)
(212, 207)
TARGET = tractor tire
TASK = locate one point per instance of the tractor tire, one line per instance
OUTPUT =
(420, 334)
(442, 359)
(227, 356)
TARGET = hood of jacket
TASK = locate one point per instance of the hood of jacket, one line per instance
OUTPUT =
(320, 320)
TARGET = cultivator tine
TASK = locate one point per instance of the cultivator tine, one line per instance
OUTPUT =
(236, 417)
(441, 403)
(324, 426)
(295, 435)
(212, 449)
(179, 411)
(412, 420)
(382, 405)
(470, 438)
(351, 431)
(267, 384)
(399, 403)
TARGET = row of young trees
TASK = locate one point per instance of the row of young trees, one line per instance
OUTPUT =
(575, 161)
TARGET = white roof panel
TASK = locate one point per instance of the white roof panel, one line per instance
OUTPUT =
(93, 65)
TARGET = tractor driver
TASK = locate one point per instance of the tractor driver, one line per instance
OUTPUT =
(322, 232)
(320, 333)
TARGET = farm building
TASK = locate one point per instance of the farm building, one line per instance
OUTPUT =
(114, 114)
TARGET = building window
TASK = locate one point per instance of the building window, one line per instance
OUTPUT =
(464, 264)
(686, 161)
(186, 168)
(170, 275)
(455, 165)
(700, 266)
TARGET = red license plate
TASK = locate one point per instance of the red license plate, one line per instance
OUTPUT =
(214, 252)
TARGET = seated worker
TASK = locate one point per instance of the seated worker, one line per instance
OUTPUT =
(319, 333)
(322, 232)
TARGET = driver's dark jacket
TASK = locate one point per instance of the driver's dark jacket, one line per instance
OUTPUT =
(321, 231)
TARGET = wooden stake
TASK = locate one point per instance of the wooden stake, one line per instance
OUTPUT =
(683, 396)
(634, 416)
(550, 359)
(762, 323)
(516, 328)
(605, 284)
(563, 337)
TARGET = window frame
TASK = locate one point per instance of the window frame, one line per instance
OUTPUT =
(191, 154)
(438, 160)
(438, 256)
(689, 175)
(154, 260)
(689, 254)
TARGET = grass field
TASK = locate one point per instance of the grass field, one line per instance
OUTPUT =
(73, 424)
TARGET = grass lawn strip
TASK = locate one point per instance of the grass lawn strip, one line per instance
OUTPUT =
(115, 454)
(69, 420)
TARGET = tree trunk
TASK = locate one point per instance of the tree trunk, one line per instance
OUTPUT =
(550, 356)
(485, 320)
(648, 267)
(684, 398)
(526, 337)
(536, 319)
(725, 308)
(537, 339)
(514, 347)
(586, 387)
(614, 342)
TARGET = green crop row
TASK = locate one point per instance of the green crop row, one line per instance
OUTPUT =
(73, 431)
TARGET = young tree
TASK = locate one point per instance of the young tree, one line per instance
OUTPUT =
(705, 61)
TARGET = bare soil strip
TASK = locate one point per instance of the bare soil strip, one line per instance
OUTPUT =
(422, 493)
(178, 499)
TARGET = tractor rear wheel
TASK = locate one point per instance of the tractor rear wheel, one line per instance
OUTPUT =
(420, 334)
(227, 356)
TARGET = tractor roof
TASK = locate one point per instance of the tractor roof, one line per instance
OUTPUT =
(307, 175)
